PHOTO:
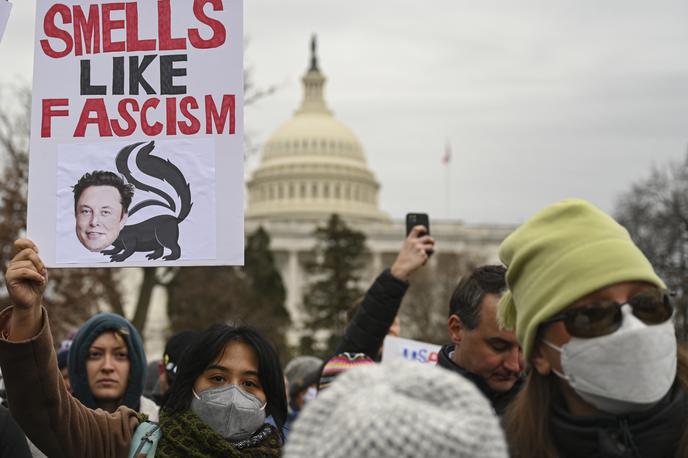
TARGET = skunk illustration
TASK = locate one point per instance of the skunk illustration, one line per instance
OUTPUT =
(161, 231)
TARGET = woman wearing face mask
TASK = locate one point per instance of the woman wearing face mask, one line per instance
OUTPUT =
(107, 365)
(227, 384)
(607, 378)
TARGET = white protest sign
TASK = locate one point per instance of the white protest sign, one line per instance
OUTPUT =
(395, 348)
(137, 133)
(5, 8)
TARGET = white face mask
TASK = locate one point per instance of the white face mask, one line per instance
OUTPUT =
(627, 371)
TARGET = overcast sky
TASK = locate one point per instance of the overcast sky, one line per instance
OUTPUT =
(540, 100)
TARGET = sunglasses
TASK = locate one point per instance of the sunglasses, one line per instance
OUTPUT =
(604, 317)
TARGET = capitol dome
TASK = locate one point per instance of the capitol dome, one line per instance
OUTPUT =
(313, 166)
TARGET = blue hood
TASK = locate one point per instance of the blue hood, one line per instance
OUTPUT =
(78, 353)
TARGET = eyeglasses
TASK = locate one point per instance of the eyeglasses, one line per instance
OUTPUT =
(605, 317)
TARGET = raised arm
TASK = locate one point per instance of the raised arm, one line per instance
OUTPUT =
(25, 278)
(369, 326)
(56, 422)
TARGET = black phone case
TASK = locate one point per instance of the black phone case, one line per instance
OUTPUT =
(415, 219)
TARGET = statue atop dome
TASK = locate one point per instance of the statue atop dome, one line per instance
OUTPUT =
(313, 84)
(314, 54)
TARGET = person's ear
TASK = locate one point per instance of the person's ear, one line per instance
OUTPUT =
(456, 329)
(539, 360)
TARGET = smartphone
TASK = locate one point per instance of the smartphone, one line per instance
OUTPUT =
(416, 219)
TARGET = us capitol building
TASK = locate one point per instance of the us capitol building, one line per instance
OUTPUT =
(314, 165)
(311, 167)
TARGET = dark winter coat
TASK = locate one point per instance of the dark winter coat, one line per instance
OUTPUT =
(499, 399)
(654, 433)
(369, 326)
(12, 440)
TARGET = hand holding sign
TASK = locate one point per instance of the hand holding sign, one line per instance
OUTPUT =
(26, 278)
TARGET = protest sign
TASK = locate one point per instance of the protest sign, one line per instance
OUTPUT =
(137, 133)
(395, 348)
(5, 8)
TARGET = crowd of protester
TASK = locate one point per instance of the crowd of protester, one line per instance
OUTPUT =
(566, 350)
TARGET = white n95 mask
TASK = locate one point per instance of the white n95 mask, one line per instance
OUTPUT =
(627, 371)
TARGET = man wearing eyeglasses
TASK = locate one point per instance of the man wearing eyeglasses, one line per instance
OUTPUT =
(480, 351)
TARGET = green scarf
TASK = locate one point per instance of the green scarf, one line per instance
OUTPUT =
(184, 434)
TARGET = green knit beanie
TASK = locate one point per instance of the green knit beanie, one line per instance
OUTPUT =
(564, 252)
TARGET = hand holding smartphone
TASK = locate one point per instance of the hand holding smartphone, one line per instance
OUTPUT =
(418, 219)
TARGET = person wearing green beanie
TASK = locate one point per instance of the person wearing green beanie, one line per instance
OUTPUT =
(606, 376)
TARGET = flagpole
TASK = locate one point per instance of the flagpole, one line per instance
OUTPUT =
(447, 187)
(446, 161)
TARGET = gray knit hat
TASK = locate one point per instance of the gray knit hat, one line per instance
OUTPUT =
(301, 366)
(397, 409)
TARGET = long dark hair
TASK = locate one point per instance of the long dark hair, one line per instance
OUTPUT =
(209, 347)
